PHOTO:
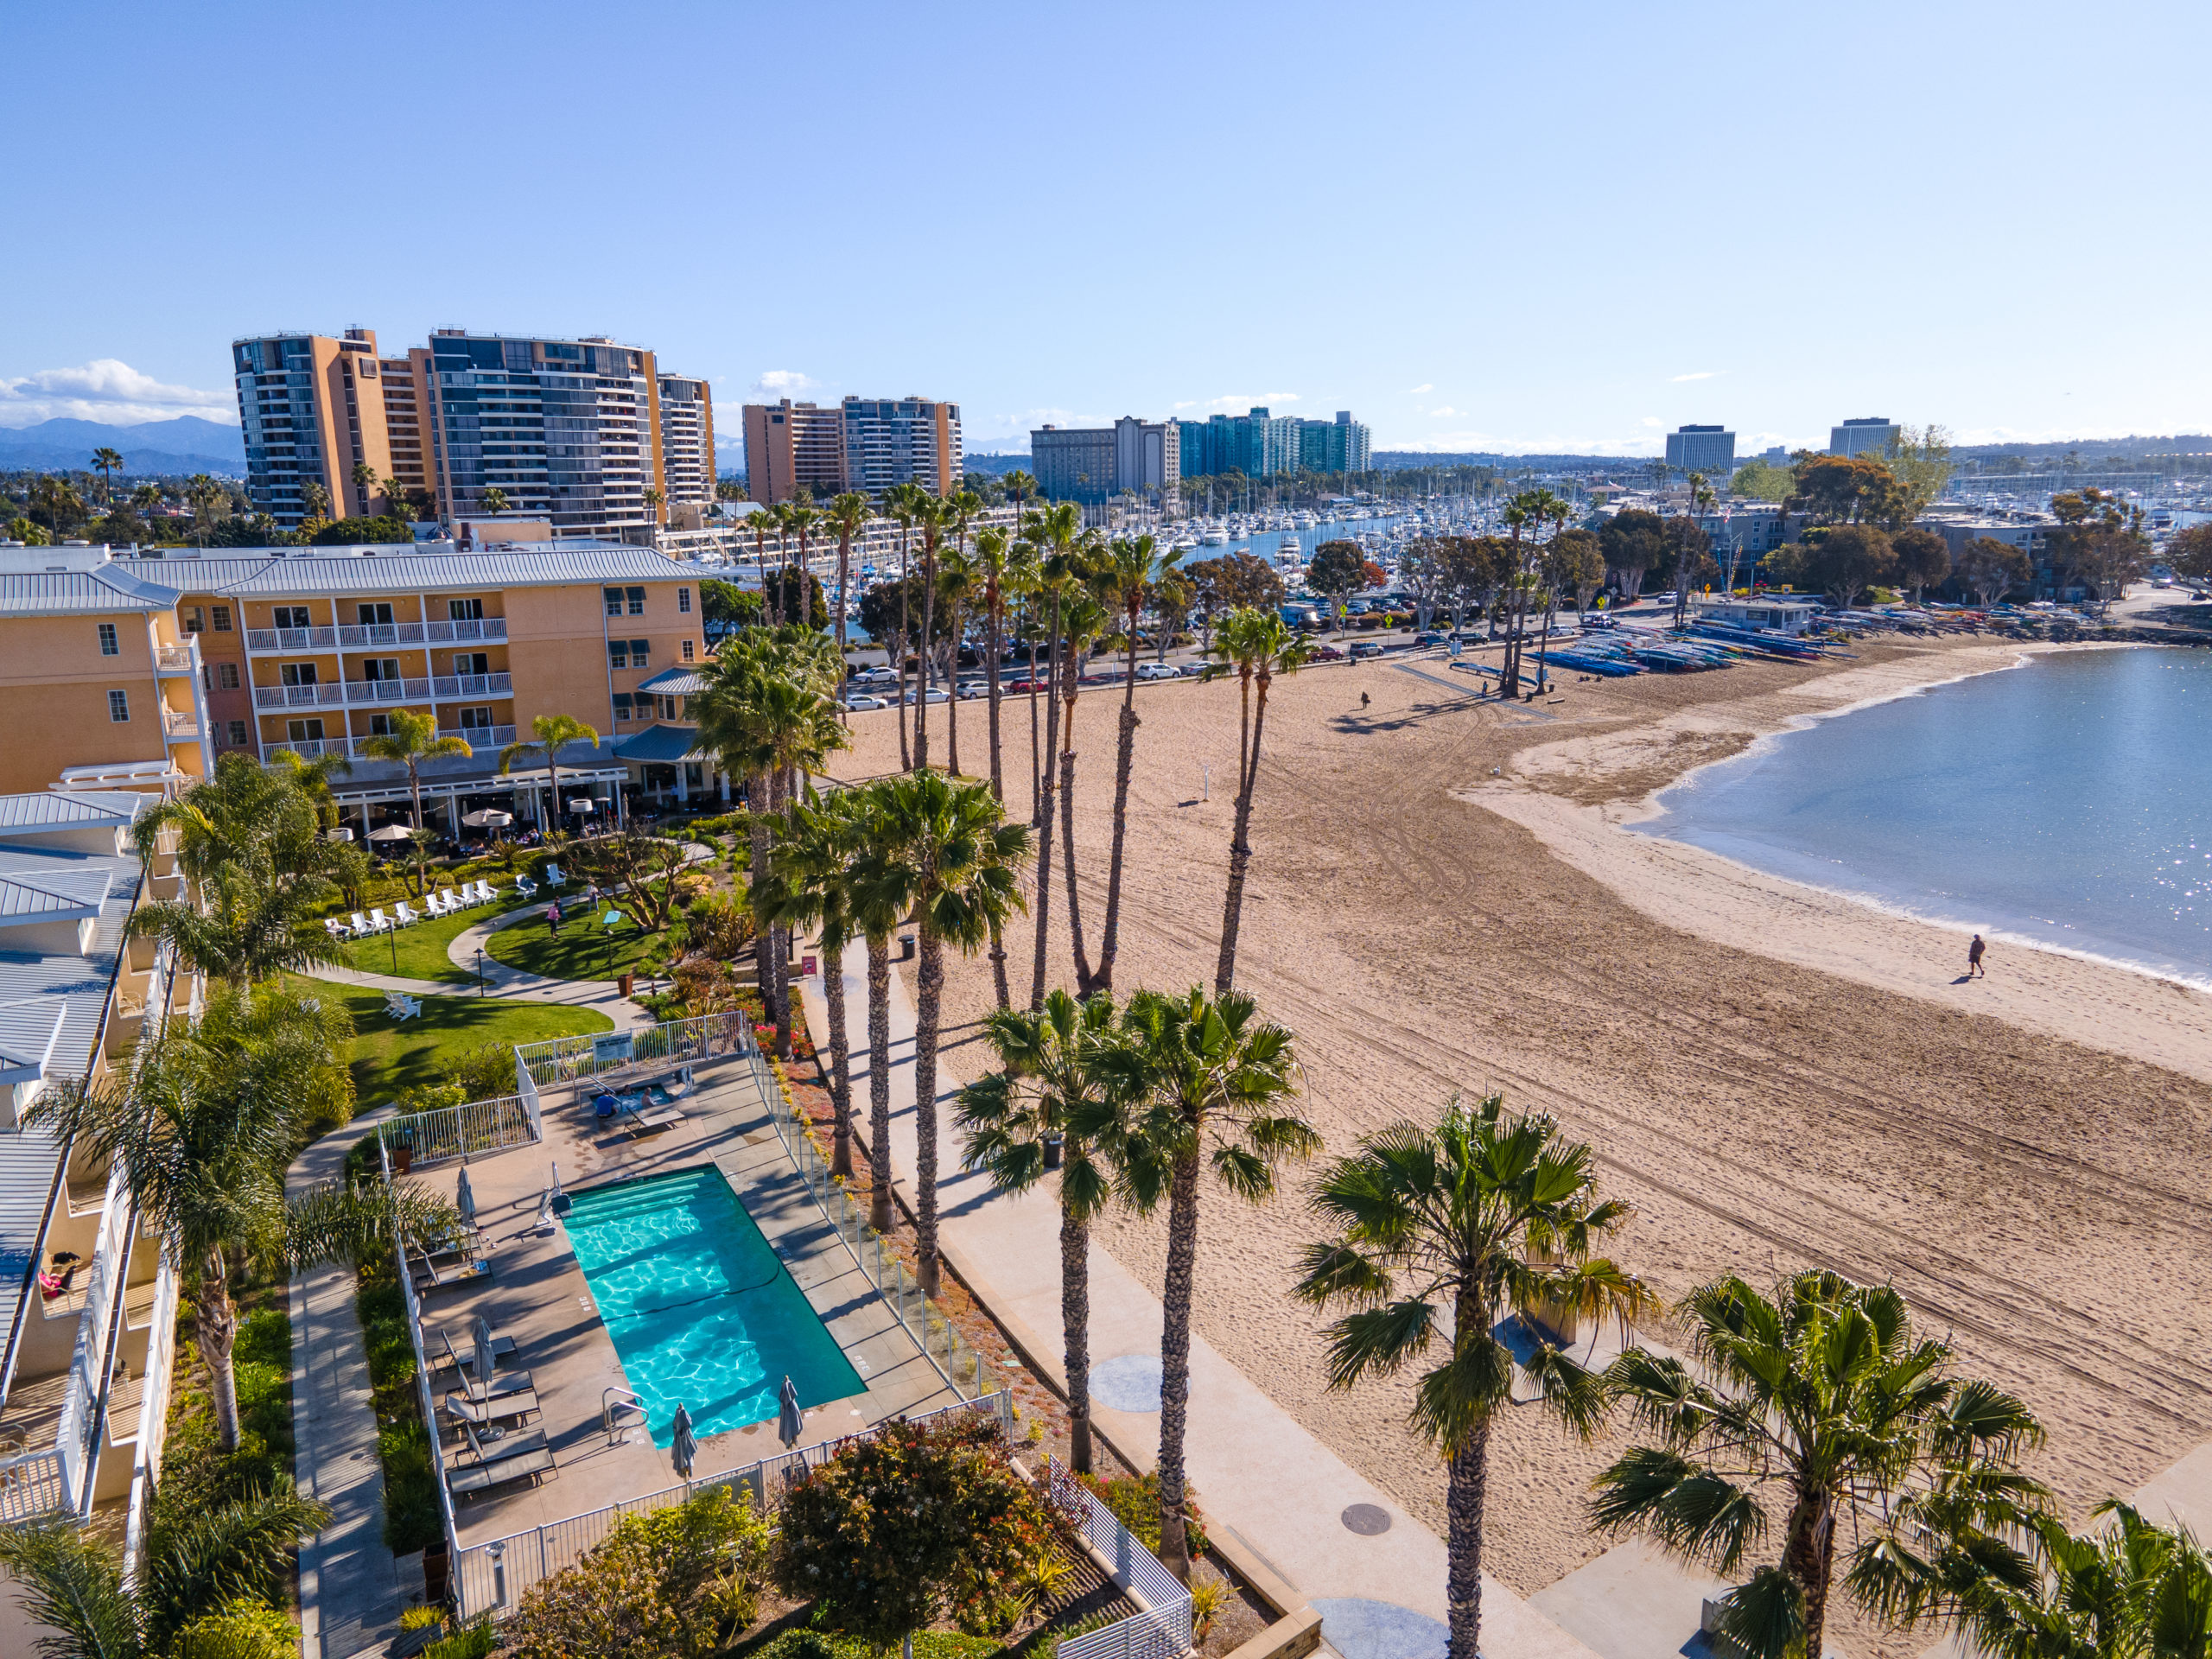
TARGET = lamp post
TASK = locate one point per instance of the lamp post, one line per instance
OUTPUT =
(606, 922)
(480, 971)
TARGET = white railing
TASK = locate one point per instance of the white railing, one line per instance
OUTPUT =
(423, 1400)
(480, 737)
(77, 1437)
(298, 696)
(459, 1131)
(1160, 1629)
(566, 1060)
(153, 1403)
(307, 748)
(291, 638)
(491, 1577)
(387, 690)
(473, 685)
(180, 722)
(379, 633)
(33, 1484)
(482, 627)
(526, 1089)
(177, 659)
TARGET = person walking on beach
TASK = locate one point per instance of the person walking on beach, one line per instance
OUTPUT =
(1974, 970)
(1363, 699)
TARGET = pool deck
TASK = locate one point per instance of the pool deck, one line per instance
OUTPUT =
(536, 1294)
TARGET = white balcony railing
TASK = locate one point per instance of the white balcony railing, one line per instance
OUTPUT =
(474, 685)
(298, 696)
(480, 739)
(380, 633)
(291, 638)
(307, 748)
(482, 627)
(180, 723)
(387, 690)
(178, 659)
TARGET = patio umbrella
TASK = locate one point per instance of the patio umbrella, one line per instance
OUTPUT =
(341, 833)
(482, 1330)
(790, 1425)
(487, 817)
(464, 1199)
(581, 803)
(560, 1199)
(391, 832)
(683, 1448)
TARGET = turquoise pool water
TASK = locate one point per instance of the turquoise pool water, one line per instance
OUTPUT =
(701, 1309)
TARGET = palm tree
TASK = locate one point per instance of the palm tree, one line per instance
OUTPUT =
(997, 566)
(1055, 577)
(107, 462)
(553, 733)
(365, 480)
(1192, 1083)
(1134, 570)
(933, 516)
(1019, 486)
(902, 505)
(803, 519)
(1082, 623)
(847, 513)
(201, 1128)
(655, 498)
(957, 583)
(814, 890)
(197, 1567)
(1261, 646)
(1824, 1403)
(944, 853)
(493, 500)
(1440, 1233)
(763, 520)
(879, 903)
(1009, 1119)
(315, 502)
(410, 740)
(1702, 499)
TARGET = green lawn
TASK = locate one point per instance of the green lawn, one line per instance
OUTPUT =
(420, 950)
(390, 1059)
(582, 950)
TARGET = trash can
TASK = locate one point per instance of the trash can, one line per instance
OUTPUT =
(1053, 1147)
(905, 947)
(626, 981)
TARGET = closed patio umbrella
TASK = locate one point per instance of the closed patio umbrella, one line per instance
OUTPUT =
(487, 817)
(482, 1330)
(683, 1448)
(464, 1199)
(790, 1425)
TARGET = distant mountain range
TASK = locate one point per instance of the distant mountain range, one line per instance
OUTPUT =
(184, 445)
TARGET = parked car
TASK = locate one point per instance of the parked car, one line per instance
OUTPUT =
(1326, 654)
(1158, 672)
(1366, 648)
(937, 695)
(1432, 637)
(968, 690)
(857, 701)
(873, 676)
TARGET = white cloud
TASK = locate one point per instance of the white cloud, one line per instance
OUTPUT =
(1188, 402)
(106, 390)
(1653, 420)
(782, 383)
(1446, 410)
(1238, 402)
(1702, 374)
(1417, 391)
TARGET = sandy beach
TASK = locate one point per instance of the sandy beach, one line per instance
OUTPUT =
(1441, 899)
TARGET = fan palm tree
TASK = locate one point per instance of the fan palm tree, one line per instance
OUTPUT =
(201, 1128)
(1702, 500)
(1260, 646)
(1082, 622)
(814, 889)
(410, 740)
(802, 518)
(933, 516)
(847, 513)
(902, 505)
(1436, 1234)
(107, 462)
(1135, 566)
(1009, 1118)
(1190, 1084)
(1824, 1402)
(997, 566)
(957, 584)
(550, 735)
(943, 853)
(365, 480)
(198, 1568)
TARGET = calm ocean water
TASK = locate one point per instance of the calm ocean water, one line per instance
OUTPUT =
(2067, 801)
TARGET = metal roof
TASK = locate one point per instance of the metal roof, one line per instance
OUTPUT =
(674, 682)
(59, 896)
(300, 572)
(474, 773)
(663, 744)
(105, 591)
(28, 1032)
(34, 815)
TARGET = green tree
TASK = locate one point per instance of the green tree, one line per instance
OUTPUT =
(1259, 645)
(212, 1583)
(20, 529)
(1841, 562)
(1633, 541)
(1132, 574)
(726, 606)
(1192, 1084)
(493, 500)
(1437, 1234)
(201, 1128)
(1924, 560)
(2100, 542)
(1849, 490)
(1576, 563)
(1823, 1404)
(1336, 571)
(847, 513)
(1920, 459)
(550, 735)
(107, 462)
(813, 868)
(795, 594)
(1755, 480)
(1991, 568)
(365, 482)
(902, 504)
(410, 740)
(1234, 582)
(941, 852)
(1011, 1118)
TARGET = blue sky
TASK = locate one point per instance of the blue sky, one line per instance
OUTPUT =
(1476, 226)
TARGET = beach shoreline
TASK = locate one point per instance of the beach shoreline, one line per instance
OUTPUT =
(1557, 791)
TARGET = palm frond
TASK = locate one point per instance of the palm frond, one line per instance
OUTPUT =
(69, 1582)
(241, 1549)
(1765, 1617)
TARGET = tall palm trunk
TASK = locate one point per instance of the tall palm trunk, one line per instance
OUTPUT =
(952, 703)
(1466, 1483)
(928, 658)
(880, 1213)
(215, 1327)
(1808, 1557)
(1175, 1361)
(1075, 1323)
(1043, 806)
(929, 1003)
(993, 634)
(782, 952)
(906, 564)
(1125, 754)
(841, 1059)
(844, 575)
(1240, 852)
(764, 940)
(1083, 981)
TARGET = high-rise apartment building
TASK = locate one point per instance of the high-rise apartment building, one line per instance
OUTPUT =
(1871, 433)
(867, 444)
(1701, 449)
(1260, 445)
(406, 409)
(313, 408)
(1090, 464)
(1338, 446)
(789, 446)
(687, 441)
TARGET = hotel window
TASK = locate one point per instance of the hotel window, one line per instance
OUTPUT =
(237, 734)
(471, 662)
(684, 600)
(375, 616)
(640, 653)
(118, 707)
(637, 601)
(296, 673)
(379, 725)
(109, 646)
(195, 621)
(622, 706)
(687, 651)
(226, 676)
(614, 600)
(304, 731)
(380, 668)
(288, 616)
(476, 720)
(221, 616)
(618, 653)
(465, 610)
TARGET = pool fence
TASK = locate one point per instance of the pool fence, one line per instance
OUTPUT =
(1160, 1628)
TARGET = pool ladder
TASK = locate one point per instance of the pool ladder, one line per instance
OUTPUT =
(610, 1408)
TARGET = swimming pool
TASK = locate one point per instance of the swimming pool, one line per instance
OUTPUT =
(701, 1309)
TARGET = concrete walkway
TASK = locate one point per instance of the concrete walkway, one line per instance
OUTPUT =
(351, 1595)
(1260, 1476)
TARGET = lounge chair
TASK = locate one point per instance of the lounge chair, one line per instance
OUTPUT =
(435, 904)
(337, 929)
(471, 1479)
(525, 886)
(483, 893)
(362, 925)
(379, 921)
(631, 1114)
(408, 918)
(430, 1277)
(504, 1408)
(553, 876)
(400, 1006)
(437, 1346)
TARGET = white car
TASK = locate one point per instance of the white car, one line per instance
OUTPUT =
(937, 695)
(971, 689)
(1158, 672)
(857, 701)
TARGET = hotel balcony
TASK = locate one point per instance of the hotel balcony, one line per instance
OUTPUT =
(370, 693)
(481, 739)
(366, 636)
(170, 660)
(291, 638)
(181, 725)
